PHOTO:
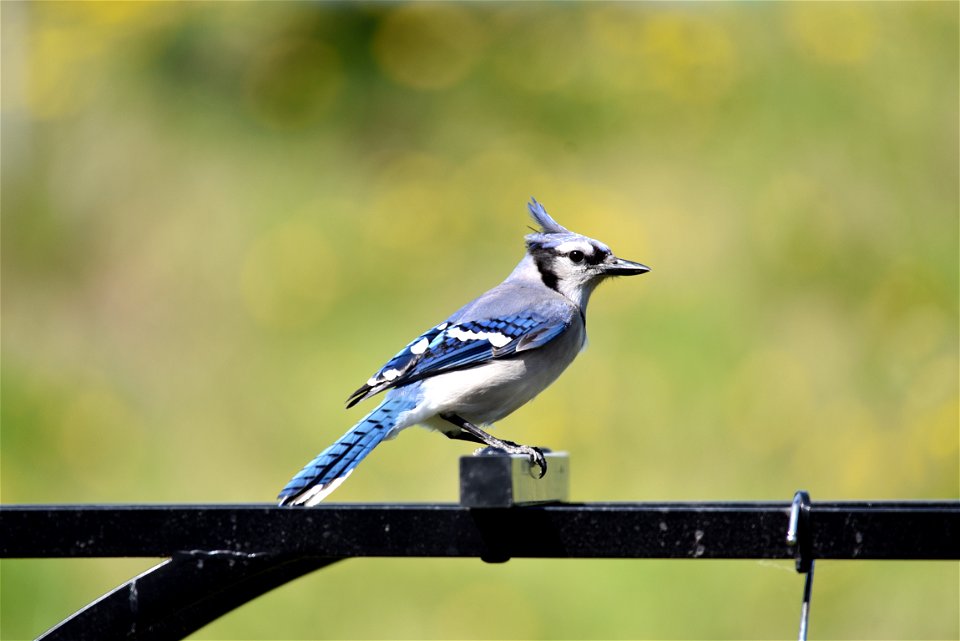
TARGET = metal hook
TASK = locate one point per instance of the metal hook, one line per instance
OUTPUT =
(800, 538)
(798, 531)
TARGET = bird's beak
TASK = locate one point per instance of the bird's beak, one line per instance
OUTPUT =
(619, 267)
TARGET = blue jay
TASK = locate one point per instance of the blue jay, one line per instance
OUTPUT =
(486, 360)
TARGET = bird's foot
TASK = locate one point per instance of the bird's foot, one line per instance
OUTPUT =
(535, 454)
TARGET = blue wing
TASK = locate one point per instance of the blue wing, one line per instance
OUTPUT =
(450, 346)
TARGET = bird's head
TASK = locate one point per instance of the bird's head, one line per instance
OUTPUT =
(570, 263)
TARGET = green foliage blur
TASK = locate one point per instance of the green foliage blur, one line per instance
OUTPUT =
(220, 219)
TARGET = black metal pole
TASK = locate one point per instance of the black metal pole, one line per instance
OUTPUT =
(225, 555)
(854, 530)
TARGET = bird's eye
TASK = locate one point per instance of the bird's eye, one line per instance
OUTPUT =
(576, 256)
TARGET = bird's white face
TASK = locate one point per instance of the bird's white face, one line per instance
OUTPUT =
(575, 262)
(576, 266)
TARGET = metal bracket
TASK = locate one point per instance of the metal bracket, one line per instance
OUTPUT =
(495, 479)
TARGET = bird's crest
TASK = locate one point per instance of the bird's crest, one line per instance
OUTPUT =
(551, 232)
(547, 224)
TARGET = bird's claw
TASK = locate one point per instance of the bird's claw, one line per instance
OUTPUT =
(534, 453)
(537, 458)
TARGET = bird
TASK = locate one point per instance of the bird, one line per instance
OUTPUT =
(483, 362)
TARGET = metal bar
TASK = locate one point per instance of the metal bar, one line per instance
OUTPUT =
(180, 596)
(847, 530)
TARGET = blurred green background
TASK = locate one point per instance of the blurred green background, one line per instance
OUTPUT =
(220, 219)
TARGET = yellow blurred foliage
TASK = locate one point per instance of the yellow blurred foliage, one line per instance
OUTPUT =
(536, 58)
(842, 33)
(292, 82)
(688, 57)
(290, 275)
(57, 85)
(93, 422)
(515, 617)
(69, 46)
(428, 45)
(669, 50)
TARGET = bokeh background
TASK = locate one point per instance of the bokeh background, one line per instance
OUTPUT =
(220, 219)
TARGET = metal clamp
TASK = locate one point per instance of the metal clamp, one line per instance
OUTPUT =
(494, 479)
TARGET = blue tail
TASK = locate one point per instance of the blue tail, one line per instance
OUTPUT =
(331, 467)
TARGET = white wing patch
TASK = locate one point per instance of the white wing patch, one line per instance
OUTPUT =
(420, 347)
(388, 375)
(495, 338)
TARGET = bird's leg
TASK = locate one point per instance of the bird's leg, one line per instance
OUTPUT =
(472, 433)
(463, 436)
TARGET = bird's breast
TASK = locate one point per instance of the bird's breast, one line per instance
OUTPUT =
(488, 392)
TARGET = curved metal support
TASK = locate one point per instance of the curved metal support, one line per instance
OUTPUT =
(181, 595)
